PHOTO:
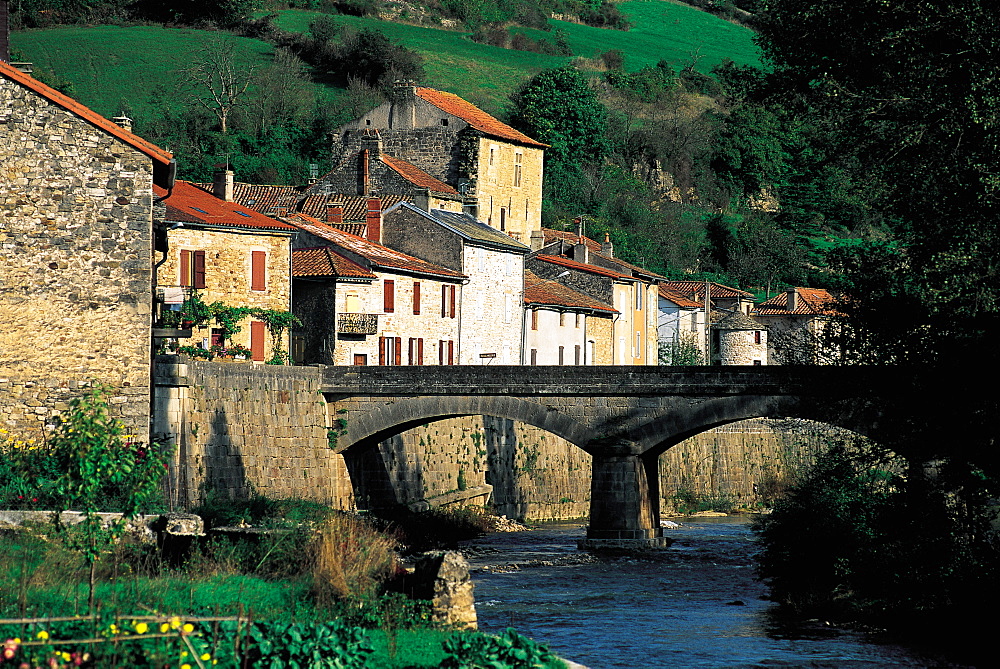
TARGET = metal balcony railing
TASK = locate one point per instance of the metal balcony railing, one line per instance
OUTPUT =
(358, 324)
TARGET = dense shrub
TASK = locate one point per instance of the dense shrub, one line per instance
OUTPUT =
(510, 649)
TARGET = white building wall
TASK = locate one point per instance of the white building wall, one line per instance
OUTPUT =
(567, 330)
(494, 306)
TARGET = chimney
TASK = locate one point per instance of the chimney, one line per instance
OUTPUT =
(123, 121)
(372, 142)
(402, 114)
(579, 227)
(581, 254)
(222, 185)
(607, 248)
(537, 240)
(792, 301)
(373, 220)
(334, 212)
(4, 31)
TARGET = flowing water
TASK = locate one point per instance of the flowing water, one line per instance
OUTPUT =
(694, 605)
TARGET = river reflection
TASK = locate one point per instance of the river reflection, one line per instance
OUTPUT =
(694, 605)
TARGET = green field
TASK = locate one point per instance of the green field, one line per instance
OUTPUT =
(112, 66)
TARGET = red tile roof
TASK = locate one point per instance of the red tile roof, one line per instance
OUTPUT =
(538, 291)
(595, 250)
(680, 299)
(592, 269)
(325, 261)
(416, 176)
(189, 204)
(376, 255)
(92, 117)
(555, 235)
(694, 289)
(474, 116)
(355, 206)
(811, 302)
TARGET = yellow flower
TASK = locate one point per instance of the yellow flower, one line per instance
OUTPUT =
(185, 666)
(17, 641)
(141, 628)
(43, 635)
(164, 628)
(175, 622)
(206, 657)
(66, 656)
(188, 628)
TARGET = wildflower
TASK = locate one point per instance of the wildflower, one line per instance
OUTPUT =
(141, 628)
(185, 666)
(42, 634)
(188, 628)
(164, 628)
(66, 656)
(206, 657)
(175, 622)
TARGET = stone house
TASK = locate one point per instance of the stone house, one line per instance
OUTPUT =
(680, 328)
(496, 169)
(562, 326)
(76, 247)
(493, 299)
(737, 339)
(797, 322)
(362, 303)
(225, 253)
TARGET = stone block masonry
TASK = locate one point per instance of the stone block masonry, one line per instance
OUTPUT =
(75, 250)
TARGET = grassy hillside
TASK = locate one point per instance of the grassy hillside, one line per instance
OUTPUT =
(110, 64)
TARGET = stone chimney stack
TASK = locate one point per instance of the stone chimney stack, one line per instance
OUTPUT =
(334, 212)
(792, 302)
(222, 185)
(537, 240)
(403, 113)
(607, 248)
(123, 121)
(581, 253)
(373, 220)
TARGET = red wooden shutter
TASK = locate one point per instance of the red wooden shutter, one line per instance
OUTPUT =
(186, 268)
(534, 319)
(199, 269)
(451, 298)
(389, 295)
(398, 357)
(381, 350)
(416, 298)
(420, 351)
(257, 340)
(451, 351)
(257, 264)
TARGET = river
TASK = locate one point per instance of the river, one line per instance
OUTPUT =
(696, 604)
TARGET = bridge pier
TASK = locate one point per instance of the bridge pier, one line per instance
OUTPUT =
(624, 501)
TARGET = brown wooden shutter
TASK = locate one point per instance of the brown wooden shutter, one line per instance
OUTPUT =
(258, 260)
(381, 350)
(451, 351)
(257, 340)
(416, 298)
(389, 296)
(420, 351)
(440, 351)
(451, 299)
(199, 269)
(186, 268)
(398, 353)
(534, 319)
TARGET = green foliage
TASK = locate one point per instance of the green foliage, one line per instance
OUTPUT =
(683, 352)
(284, 645)
(510, 649)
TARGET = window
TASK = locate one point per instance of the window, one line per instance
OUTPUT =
(756, 363)
(756, 336)
(638, 344)
(534, 356)
(446, 352)
(192, 270)
(503, 219)
(390, 350)
(258, 263)
(517, 169)
(447, 301)
(534, 319)
(638, 296)
(416, 298)
(257, 340)
(416, 351)
(562, 355)
(576, 355)
(562, 318)
(352, 304)
(389, 296)
(579, 319)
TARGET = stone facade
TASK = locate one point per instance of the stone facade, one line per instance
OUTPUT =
(508, 187)
(76, 246)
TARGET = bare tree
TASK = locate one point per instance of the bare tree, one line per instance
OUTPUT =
(219, 83)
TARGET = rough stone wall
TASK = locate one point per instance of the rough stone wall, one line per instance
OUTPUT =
(242, 428)
(434, 150)
(509, 177)
(75, 247)
(412, 233)
(228, 272)
(739, 347)
(600, 330)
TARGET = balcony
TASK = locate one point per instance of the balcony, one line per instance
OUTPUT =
(357, 324)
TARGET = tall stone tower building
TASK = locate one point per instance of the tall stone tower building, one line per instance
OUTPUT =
(496, 169)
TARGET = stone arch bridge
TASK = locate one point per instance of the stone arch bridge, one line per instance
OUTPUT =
(625, 417)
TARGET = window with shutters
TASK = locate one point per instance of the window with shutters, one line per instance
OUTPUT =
(576, 355)
(192, 269)
(534, 319)
(390, 350)
(416, 298)
(562, 355)
(389, 296)
(258, 265)
(517, 169)
(447, 301)
(534, 356)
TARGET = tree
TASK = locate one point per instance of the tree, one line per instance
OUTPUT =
(219, 83)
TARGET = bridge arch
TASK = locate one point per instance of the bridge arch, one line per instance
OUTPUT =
(365, 429)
